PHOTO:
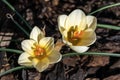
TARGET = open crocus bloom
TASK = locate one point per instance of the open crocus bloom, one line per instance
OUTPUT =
(78, 30)
(39, 51)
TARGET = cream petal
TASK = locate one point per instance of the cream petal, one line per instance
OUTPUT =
(65, 34)
(40, 65)
(24, 59)
(27, 46)
(36, 34)
(79, 49)
(65, 38)
(88, 38)
(76, 18)
(47, 43)
(61, 22)
(91, 22)
(54, 57)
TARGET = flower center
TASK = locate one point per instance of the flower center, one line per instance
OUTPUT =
(38, 51)
(77, 34)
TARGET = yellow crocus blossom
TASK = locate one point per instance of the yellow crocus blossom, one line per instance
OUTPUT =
(78, 30)
(39, 51)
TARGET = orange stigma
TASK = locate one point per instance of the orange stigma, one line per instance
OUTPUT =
(38, 51)
(77, 34)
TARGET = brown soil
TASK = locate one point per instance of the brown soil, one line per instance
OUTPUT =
(44, 13)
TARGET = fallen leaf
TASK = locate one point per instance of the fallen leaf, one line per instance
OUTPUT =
(99, 61)
(92, 79)
(59, 45)
(70, 61)
(113, 77)
(79, 75)
(116, 65)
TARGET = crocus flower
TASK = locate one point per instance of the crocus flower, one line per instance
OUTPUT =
(78, 30)
(39, 51)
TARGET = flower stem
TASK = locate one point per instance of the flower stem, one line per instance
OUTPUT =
(105, 7)
(13, 9)
(11, 50)
(92, 53)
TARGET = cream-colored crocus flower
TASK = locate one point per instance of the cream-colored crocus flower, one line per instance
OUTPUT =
(39, 51)
(78, 30)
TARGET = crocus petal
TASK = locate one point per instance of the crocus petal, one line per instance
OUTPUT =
(91, 22)
(27, 46)
(54, 57)
(76, 18)
(79, 49)
(47, 43)
(24, 59)
(88, 38)
(65, 40)
(36, 34)
(61, 22)
(40, 65)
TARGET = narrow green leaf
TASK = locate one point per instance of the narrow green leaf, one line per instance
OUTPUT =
(109, 26)
(13, 9)
(21, 28)
(105, 7)
(92, 53)
(12, 70)
(11, 50)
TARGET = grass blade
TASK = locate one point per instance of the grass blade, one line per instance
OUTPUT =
(13, 9)
(11, 50)
(105, 7)
(12, 70)
(21, 27)
(92, 53)
(108, 26)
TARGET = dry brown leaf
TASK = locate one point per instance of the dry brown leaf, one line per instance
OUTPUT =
(70, 61)
(79, 75)
(7, 77)
(59, 45)
(113, 77)
(115, 65)
(92, 70)
(99, 61)
(5, 37)
(34, 75)
(92, 79)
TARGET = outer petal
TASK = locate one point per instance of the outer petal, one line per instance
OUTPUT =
(54, 57)
(27, 46)
(61, 22)
(47, 43)
(36, 34)
(91, 22)
(40, 65)
(79, 49)
(88, 38)
(24, 59)
(76, 18)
